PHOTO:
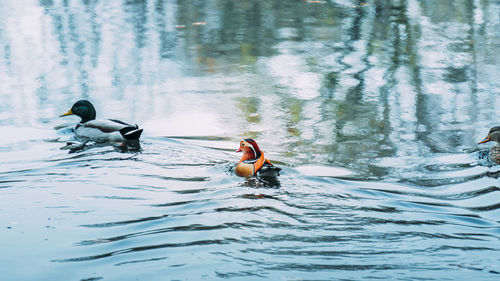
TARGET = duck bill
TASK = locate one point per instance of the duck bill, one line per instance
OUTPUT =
(239, 150)
(487, 139)
(67, 113)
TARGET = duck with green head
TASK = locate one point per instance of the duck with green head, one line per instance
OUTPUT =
(494, 135)
(101, 130)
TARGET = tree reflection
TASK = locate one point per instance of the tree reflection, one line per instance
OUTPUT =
(336, 82)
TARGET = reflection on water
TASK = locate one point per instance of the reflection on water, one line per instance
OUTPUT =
(338, 83)
(390, 96)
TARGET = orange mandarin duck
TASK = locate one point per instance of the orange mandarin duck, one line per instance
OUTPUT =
(253, 161)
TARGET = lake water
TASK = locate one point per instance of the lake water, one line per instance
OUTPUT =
(373, 109)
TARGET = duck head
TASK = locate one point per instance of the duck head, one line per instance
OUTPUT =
(82, 108)
(493, 135)
(250, 149)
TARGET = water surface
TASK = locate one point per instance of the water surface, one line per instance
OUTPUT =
(372, 108)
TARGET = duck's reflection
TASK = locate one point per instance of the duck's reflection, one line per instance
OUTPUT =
(80, 146)
(262, 182)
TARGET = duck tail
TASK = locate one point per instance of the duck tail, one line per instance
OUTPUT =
(131, 133)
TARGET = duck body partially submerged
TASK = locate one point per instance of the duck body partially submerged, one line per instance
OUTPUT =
(494, 135)
(101, 130)
(253, 161)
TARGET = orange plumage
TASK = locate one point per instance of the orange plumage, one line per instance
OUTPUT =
(252, 159)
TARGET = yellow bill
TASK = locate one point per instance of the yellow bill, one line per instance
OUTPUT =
(67, 113)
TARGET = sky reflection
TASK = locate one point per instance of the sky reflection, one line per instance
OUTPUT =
(333, 83)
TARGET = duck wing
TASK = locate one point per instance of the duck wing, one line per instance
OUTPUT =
(128, 131)
(268, 170)
(106, 126)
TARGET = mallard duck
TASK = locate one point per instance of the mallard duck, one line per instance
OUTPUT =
(494, 135)
(253, 161)
(101, 130)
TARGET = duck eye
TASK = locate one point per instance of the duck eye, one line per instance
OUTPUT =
(242, 144)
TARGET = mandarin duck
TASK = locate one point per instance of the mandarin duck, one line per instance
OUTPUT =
(253, 161)
(101, 130)
(494, 135)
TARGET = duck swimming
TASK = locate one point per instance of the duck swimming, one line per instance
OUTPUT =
(494, 135)
(253, 161)
(101, 130)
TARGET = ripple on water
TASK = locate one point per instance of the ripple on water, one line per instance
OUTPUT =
(164, 207)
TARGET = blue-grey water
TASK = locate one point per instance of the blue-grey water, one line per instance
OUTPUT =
(373, 109)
